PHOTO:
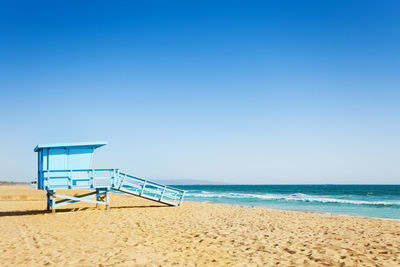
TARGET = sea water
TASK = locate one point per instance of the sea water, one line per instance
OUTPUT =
(378, 201)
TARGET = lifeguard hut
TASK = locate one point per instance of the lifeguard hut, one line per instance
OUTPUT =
(70, 166)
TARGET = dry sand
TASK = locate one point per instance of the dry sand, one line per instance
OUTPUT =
(137, 232)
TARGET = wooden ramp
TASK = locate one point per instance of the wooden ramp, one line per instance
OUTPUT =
(135, 186)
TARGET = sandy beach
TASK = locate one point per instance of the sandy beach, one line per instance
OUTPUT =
(138, 232)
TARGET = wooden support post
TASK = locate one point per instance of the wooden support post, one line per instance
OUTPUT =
(48, 199)
(53, 203)
(181, 200)
(97, 198)
(107, 200)
(102, 196)
(163, 192)
(144, 185)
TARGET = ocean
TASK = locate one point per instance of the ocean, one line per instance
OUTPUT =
(377, 201)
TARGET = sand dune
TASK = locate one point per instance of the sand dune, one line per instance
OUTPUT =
(136, 232)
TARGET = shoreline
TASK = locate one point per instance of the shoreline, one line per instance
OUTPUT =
(312, 212)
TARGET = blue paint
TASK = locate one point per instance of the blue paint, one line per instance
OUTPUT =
(66, 166)
(69, 166)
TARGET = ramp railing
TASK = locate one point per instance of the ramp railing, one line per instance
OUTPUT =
(150, 190)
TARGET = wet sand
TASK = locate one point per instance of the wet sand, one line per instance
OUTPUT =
(137, 232)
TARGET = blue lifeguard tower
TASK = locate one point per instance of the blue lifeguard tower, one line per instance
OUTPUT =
(69, 166)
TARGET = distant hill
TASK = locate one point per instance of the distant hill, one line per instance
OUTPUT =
(187, 182)
(12, 183)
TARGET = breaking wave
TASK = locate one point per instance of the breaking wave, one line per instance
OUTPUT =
(291, 197)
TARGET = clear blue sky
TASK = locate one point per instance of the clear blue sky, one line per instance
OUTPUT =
(233, 91)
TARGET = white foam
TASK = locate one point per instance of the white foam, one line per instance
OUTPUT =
(292, 197)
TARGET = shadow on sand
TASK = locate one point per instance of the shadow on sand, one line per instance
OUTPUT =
(37, 212)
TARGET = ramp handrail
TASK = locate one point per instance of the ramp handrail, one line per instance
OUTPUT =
(148, 189)
(152, 183)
